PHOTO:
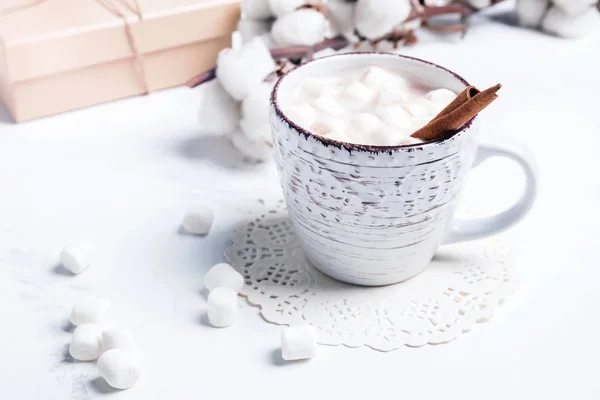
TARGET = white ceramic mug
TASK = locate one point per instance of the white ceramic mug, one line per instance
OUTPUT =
(375, 215)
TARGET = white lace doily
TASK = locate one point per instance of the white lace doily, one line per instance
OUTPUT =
(463, 285)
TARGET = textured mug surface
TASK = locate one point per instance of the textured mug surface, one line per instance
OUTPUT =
(370, 215)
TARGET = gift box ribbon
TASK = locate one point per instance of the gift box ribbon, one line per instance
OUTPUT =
(112, 6)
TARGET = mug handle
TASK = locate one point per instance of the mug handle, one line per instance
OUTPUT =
(499, 146)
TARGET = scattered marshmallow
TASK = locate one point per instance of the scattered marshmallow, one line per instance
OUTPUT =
(305, 27)
(242, 70)
(86, 343)
(198, 219)
(118, 339)
(256, 9)
(119, 368)
(224, 275)
(531, 12)
(222, 307)
(284, 7)
(90, 310)
(219, 112)
(77, 257)
(376, 18)
(298, 342)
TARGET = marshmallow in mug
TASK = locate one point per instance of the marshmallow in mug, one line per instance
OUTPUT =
(371, 105)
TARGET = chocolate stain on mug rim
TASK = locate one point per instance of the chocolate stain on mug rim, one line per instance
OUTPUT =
(366, 147)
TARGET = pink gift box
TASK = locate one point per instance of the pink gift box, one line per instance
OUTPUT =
(61, 55)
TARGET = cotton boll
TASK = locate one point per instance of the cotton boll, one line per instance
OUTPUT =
(303, 115)
(575, 7)
(283, 7)
(396, 116)
(341, 17)
(219, 112)
(256, 9)
(531, 12)
(252, 150)
(570, 26)
(375, 18)
(256, 130)
(256, 105)
(241, 70)
(303, 27)
(480, 3)
(249, 29)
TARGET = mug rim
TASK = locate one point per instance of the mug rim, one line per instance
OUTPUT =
(365, 147)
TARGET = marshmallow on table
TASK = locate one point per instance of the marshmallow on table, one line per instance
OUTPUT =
(118, 339)
(86, 343)
(198, 219)
(304, 27)
(90, 309)
(119, 368)
(224, 275)
(298, 342)
(243, 69)
(222, 307)
(77, 257)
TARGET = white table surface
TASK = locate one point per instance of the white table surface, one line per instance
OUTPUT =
(123, 173)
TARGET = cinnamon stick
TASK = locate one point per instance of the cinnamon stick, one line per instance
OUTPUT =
(461, 99)
(449, 119)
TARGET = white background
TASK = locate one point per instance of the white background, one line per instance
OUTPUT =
(122, 174)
